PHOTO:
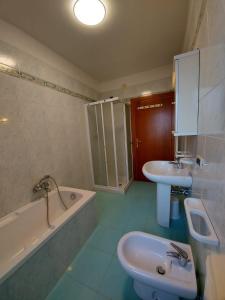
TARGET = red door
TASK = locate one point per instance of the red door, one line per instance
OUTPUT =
(152, 125)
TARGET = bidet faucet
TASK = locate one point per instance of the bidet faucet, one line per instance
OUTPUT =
(180, 254)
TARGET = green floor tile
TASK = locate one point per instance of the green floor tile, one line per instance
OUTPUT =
(89, 267)
(113, 218)
(105, 239)
(117, 285)
(96, 272)
(67, 289)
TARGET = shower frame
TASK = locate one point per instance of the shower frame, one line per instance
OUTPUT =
(129, 177)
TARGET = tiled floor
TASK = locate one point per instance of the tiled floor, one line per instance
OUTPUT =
(95, 273)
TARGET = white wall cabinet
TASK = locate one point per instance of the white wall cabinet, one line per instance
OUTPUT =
(187, 93)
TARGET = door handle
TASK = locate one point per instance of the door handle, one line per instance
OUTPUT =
(138, 142)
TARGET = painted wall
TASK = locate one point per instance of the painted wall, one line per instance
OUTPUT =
(46, 130)
(155, 80)
(209, 182)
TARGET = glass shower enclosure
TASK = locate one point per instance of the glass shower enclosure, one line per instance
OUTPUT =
(109, 134)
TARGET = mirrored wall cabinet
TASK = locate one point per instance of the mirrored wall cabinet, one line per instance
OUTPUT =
(187, 93)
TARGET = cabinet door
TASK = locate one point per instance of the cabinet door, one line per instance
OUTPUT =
(187, 93)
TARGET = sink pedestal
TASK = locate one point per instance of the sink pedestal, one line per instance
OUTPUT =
(166, 174)
(163, 204)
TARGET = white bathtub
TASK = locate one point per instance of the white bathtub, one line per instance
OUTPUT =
(25, 230)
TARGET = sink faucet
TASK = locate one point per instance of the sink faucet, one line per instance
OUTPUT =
(183, 154)
(177, 163)
(180, 254)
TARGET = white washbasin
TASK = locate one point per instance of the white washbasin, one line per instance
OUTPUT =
(140, 254)
(166, 173)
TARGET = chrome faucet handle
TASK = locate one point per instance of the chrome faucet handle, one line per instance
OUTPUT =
(45, 186)
(172, 254)
(180, 251)
(181, 259)
(37, 188)
(177, 163)
(42, 185)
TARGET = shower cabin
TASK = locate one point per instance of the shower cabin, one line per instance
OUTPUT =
(109, 133)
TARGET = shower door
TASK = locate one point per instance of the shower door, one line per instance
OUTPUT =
(109, 133)
(97, 145)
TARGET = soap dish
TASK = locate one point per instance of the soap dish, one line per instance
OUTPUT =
(199, 224)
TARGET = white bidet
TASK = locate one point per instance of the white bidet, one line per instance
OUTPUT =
(157, 275)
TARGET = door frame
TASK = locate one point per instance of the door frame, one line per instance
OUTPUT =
(157, 96)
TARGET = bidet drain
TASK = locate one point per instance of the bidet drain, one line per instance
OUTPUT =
(160, 270)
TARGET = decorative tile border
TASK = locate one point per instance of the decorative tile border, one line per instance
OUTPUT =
(25, 76)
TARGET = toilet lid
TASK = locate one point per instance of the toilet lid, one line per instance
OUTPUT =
(215, 282)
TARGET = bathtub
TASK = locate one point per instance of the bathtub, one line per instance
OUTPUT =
(25, 230)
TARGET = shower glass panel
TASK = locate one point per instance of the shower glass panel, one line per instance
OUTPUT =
(129, 144)
(109, 144)
(120, 139)
(97, 145)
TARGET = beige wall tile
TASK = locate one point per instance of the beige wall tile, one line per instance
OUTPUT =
(209, 181)
(45, 134)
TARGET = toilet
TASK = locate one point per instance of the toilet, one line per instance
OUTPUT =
(156, 275)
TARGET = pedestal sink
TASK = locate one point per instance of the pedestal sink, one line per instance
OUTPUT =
(165, 175)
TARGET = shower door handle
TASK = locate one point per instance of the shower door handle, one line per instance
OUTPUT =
(138, 142)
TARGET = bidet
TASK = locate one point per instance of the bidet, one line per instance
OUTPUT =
(157, 275)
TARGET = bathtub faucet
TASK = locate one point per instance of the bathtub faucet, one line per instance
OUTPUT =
(42, 185)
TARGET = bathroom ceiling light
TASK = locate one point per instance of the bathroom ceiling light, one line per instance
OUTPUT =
(89, 12)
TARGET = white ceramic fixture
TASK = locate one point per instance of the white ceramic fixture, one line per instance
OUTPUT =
(199, 224)
(25, 230)
(143, 255)
(165, 175)
(89, 12)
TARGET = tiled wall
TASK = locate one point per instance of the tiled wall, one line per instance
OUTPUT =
(209, 182)
(46, 130)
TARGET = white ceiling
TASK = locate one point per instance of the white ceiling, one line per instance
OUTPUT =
(136, 35)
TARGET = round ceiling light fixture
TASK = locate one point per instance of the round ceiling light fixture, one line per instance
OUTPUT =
(89, 12)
